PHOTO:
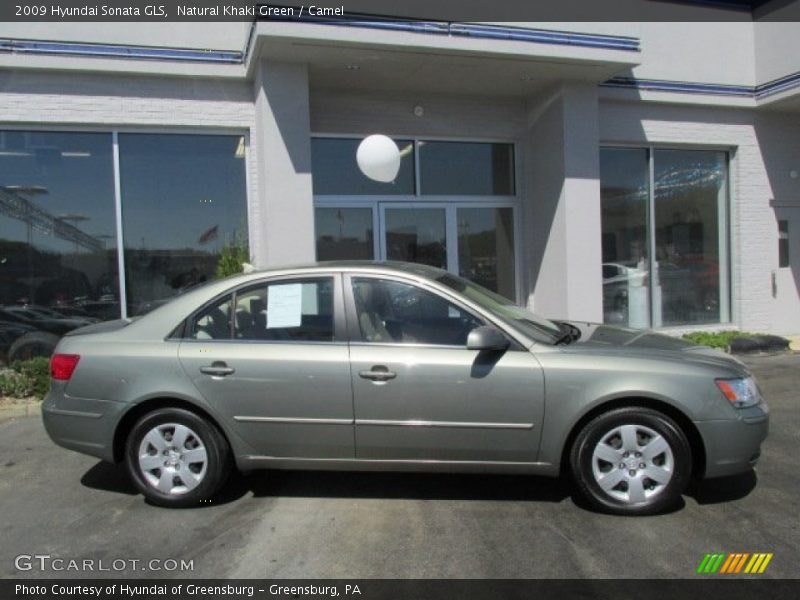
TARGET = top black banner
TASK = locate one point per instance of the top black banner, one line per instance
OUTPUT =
(417, 10)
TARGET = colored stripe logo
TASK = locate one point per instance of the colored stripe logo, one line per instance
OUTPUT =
(734, 563)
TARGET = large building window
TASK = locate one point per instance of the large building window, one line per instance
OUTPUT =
(664, 220)
(451, 206)
(58, 260)
(183, 203)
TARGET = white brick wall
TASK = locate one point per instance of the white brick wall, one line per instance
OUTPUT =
(106, 102)
(751, 138)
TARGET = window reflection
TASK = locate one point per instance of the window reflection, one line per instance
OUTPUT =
(336, 172)
(466, 168)
(486, 248)
(58, 262)
(183, 204)
(344, 234)
(624, 198)
(689, 197)
(416, 235)
(689, 283)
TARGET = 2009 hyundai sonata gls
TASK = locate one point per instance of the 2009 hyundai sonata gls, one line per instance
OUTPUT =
(384, 366)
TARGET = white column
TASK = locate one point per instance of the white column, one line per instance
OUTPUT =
(562, 205)
(284, 215)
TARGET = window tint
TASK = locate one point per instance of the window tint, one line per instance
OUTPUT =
(393, 312)
(213, 323)
(295, 310)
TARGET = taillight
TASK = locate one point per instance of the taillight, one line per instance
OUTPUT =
(63, 365)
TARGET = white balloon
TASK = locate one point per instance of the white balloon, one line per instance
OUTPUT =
(378, 157)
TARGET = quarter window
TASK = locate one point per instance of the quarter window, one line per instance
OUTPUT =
(213, 323)
(399, 313)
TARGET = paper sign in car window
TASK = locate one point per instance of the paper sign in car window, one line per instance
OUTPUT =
(284, 306)
(310, 303)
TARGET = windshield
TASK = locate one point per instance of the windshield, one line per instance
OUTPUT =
(534, 326)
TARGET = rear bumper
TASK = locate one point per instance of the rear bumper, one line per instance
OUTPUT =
(734, 446)
(82, 424)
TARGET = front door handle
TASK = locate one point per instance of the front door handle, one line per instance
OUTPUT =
(378, 373)
(217, 369)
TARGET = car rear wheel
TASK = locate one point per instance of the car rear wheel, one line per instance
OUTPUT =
(631, 461)
(177, 458)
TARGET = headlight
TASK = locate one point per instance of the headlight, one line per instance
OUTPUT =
(741, 393)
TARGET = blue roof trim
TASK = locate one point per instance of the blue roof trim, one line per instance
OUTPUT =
(429, 27)
(541, 36)
(684, 87)
(492, 32)
(119, 51)
(776, 86)
(679, 86)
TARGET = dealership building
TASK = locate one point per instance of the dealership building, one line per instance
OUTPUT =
(634, 173)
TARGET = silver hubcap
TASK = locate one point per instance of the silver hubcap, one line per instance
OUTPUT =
(173, 459)
(632, 463)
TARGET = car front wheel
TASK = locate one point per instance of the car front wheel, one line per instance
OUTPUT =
(177, 458)
(631, 461)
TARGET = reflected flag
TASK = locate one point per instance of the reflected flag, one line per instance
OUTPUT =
(209, 235)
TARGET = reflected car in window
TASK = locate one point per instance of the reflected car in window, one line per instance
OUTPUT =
(396, 366)
(35, 332)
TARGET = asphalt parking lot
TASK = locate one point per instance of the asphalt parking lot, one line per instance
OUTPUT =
(362, 525)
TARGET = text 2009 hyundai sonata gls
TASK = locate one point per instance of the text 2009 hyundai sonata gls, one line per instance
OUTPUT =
(385, 366)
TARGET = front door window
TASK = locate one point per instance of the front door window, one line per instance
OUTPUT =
(398, 313)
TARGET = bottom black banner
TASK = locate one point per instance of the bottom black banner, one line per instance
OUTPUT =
(369, 589)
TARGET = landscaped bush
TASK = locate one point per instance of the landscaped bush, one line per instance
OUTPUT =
(232, 257)
(716, 339)
(26, 378)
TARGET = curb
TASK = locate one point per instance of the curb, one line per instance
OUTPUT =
(21, 408)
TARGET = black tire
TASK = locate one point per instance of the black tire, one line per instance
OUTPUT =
(621, 499)
(32, 345)
(203, 434)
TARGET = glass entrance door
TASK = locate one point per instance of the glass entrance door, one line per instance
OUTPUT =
(411, 233)
(473, 239)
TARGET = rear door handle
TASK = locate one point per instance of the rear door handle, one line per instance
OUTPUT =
(378, 373)
(217, 369)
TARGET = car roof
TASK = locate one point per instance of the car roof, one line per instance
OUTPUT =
(418, 270)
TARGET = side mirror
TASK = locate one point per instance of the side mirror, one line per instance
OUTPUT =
(487, 338)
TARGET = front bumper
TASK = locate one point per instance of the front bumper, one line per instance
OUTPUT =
(82, 424)
(734, 445)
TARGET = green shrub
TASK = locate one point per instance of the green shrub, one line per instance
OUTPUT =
(232, 256)
(715, 339)
(26, 378)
